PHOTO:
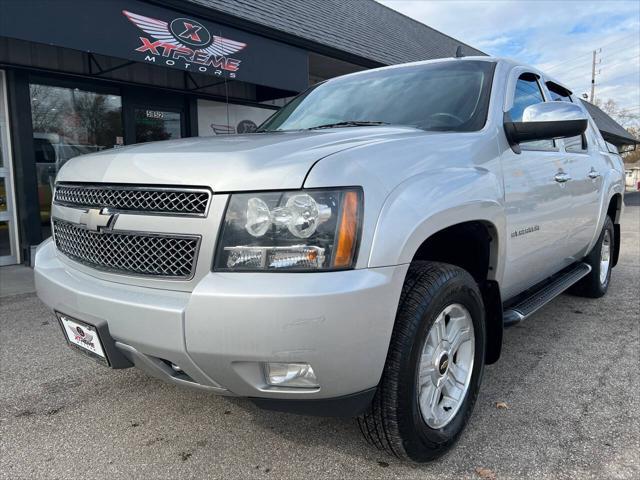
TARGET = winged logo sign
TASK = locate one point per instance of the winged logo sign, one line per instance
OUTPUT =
(146, 32)
(187, 43)
(81, 335)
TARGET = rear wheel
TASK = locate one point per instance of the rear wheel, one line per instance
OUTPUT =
(596, 284)
(434, 366)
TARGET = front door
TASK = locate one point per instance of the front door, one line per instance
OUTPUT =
(537, 202)
(8, 232)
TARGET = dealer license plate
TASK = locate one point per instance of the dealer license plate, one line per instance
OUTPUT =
(83, 337)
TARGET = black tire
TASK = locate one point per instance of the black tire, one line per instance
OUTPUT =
(591, 286)
(393, 422)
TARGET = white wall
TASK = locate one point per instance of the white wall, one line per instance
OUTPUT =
(212, 118)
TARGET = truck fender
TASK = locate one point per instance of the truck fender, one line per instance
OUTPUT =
(428, 203)
(432, 201)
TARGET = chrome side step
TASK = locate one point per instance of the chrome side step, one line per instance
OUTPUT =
(543, 295)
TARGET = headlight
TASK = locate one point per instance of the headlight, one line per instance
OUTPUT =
(302, 230)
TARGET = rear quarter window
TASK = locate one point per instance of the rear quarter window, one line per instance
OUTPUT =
(576, 144)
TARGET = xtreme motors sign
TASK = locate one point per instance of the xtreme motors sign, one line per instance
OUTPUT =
(147, 33)
(187, 42)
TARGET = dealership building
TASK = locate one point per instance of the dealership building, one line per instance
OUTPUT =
(79, 77)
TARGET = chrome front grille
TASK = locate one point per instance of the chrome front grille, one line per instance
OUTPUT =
(137, 253)
(176, 201)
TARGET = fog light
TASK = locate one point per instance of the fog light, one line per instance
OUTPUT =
(299, 375)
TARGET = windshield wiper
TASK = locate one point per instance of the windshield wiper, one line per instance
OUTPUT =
(349, 123)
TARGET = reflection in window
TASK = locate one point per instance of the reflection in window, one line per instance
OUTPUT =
(155, 125)
(559, 97)
(528, 93)
(571, 144)
(441, 96)
(5, 240)
(68, 122)
(217, 118)
(575, 144)
(3, 195)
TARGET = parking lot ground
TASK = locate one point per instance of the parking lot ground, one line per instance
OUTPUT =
(568, 376)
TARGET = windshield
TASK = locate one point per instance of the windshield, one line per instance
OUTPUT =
(437, 96)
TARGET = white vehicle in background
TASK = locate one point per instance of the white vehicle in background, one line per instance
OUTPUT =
(52, 151)
(358, 255)
(632, 178)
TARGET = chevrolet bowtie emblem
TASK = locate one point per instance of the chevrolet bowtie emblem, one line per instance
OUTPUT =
(96, 219)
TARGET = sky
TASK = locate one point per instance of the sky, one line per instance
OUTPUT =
(557, 36)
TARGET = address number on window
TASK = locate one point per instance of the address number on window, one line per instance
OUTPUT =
(154, 114)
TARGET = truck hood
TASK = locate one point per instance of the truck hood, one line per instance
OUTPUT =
(259, 161)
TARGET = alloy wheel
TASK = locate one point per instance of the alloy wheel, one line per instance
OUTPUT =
(605, 257)
(446, 365)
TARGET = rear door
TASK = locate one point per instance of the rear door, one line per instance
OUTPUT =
(585, 166)
(537, 198)
(588, 166)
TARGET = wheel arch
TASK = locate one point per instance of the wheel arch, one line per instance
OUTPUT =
(614, 211)
(474, 247)
(462, 207)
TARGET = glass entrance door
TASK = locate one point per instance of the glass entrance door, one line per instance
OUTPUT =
(8, 232)
(152, 125)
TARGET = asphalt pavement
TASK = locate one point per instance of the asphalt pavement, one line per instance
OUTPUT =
(569, 378)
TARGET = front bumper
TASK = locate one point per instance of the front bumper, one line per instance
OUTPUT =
(222, 331)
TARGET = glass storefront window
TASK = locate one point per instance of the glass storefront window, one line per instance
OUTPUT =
(68, 122)
(5, 239)
(217, 118)
(154, 125)
(2, 143)
(8, 238)
(3, 195)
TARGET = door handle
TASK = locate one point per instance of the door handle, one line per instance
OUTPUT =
(593, 174)
(562, 177)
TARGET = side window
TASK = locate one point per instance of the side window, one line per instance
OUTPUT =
(611, 148)
(527, 93)
(571, 144)
(576, 144)
(557, 96)
(596, 138)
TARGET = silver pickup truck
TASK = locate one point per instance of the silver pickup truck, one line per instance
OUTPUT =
(359, 255)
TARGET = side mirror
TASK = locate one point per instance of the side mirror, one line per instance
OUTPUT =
(546, 121)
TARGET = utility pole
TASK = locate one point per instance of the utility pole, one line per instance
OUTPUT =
(593, 75)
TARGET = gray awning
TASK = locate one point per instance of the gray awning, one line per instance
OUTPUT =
(364, 28)
(611, 130)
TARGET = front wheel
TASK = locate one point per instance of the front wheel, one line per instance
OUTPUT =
(434, 365)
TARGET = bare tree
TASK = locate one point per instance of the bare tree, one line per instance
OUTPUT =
(46, 109)
(629, 119)
(624, 116)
